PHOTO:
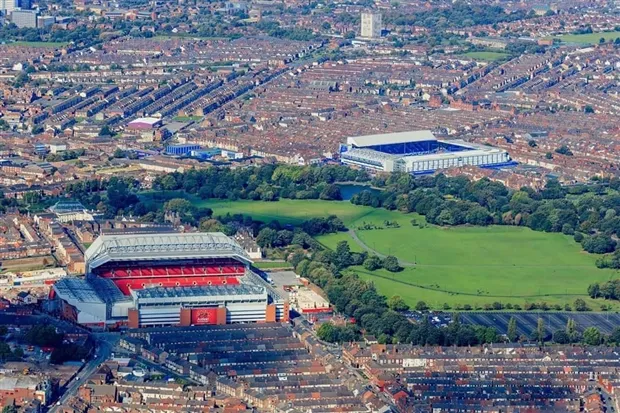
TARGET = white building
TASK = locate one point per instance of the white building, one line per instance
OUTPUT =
(7, 6)
(24, 18)
(371, 25)
(418, 152)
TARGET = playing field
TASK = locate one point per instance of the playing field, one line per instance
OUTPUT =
(288, 211)
(52, 45)
(458, 265)
(486, 56)
(589, 38)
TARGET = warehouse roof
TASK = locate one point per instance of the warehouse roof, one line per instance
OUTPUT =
(162, 246)
(391, 138)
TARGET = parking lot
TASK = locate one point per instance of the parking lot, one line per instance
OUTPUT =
(528, 321)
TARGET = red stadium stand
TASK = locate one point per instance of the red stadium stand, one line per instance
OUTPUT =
(138, 275)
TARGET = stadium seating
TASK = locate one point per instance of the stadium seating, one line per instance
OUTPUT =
(137, 275)
(127, 285)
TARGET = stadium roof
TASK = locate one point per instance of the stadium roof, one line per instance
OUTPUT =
(66, 206)
(391, 138)
(200, 291)
(88, 290)
(162, 246)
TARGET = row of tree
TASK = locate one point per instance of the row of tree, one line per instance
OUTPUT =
(266, 183)
(609, 290)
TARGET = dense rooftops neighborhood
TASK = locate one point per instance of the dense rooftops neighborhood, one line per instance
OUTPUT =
(319, 207)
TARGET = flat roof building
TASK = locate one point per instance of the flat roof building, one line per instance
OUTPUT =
(371, 25)
(24, 18)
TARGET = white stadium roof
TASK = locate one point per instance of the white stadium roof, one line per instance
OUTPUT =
(391, 138)
(165, 246)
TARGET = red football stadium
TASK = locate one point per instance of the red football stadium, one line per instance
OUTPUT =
(168, 279)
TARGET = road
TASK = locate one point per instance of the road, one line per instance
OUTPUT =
(104, 344)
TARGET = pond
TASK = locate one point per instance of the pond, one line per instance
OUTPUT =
(348, 190)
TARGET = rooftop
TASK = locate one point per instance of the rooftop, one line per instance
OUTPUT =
(391, 138)
(200, 291)
(162, 246)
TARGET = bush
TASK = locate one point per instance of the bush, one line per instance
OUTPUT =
(578, 237)
(599, 244)
(372, 263)
(391, 264)
(580, 305)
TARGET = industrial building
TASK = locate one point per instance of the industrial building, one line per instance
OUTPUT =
(418, 152)
(168, 279)
(182, 149)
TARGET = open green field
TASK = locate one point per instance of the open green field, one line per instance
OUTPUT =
(265, 265)
(589, 38)
(187, 118)
(288, 211)
(458, 265)
(486, 56)
(51, 45)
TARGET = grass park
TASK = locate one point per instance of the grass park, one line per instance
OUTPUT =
(589, 38)
(51, 45)
(486, 56)
(455, 265)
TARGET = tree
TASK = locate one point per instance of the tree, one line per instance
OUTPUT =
(601, 40)
(512, 334)
(331, 193)
(372, 263)
(594, 290)
(532, 143)
(615, 336)
(391, 264)
(327, 332)
(571, 330)
(342, 255)
(599, 244)
(421, 306)
(210, 225)
(105, 131)
(9, 408)
(549, 155)
(564, 150)
(267, 237)
(540, 332)
(578, 237)
(588, 109)
(580, 305)
(396, 303)
(119, 153)
(560, 337)
(43, 335)
(592, 336)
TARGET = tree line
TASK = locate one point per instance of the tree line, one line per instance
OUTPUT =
(264, 183)
(593, 219)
